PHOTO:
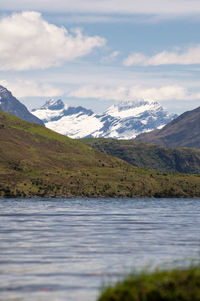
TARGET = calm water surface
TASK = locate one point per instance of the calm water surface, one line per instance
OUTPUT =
(66, 249)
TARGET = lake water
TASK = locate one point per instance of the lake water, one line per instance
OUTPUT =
(65, 249)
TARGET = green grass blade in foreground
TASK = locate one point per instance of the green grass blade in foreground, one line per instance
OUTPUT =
(160, 285)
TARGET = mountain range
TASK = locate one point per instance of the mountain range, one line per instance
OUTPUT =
(144, 121)
(184, 131)
(124, 120)
(9, 104)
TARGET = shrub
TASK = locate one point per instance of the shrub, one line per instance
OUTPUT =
(166, 285)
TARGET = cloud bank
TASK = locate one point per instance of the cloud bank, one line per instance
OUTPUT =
(30, 42)
(163, 93)
(153, 7)
(30, 88)
(189, 57)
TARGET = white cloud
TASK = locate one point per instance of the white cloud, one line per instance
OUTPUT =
(30, 88)
(170, 92)
(29, 42)
(156, 7)
(111, 57)
(103, 93)
(163, 93)
(190, 56)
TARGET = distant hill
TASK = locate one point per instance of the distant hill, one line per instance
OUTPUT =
(37, 162)
(9, 104)
(124, 120)
(184, 131)
(159, 158)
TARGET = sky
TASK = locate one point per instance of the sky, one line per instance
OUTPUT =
(95, 53)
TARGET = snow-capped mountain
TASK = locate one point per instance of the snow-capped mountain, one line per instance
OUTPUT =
(9, 104)
(124, 120)
(75, 122)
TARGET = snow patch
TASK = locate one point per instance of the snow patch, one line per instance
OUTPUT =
(76, 126)
(47, 115)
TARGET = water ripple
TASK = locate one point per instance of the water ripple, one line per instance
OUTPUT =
(62, 249)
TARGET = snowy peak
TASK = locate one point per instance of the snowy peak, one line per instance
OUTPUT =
(129, 104)
(75, 122)
(54, 110)
(50, 111)
(124, 120)
(52, 104)
(132, 108)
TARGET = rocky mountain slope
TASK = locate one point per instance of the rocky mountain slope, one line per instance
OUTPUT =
(124, 120)
(150, 156)
(184, 131)
(37, 162)
(9, 104)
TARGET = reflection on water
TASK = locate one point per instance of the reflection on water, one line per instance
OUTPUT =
(66, 249)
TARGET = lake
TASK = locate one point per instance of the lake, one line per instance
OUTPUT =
(66, 249)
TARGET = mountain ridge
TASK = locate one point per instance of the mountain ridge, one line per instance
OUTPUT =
(183, 131)
(10, 104)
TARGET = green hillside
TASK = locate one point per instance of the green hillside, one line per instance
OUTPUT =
(37, 162)
(159, 158)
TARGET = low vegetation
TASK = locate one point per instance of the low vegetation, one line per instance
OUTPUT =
(155, 157)
(37, 162)
(166, 285)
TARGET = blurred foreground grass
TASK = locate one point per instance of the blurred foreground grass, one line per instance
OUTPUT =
(160, 285)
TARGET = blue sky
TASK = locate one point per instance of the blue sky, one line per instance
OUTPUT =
(94, 52)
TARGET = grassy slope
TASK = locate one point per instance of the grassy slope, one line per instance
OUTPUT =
(159, 158)
(35, 161)
(169, 285)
